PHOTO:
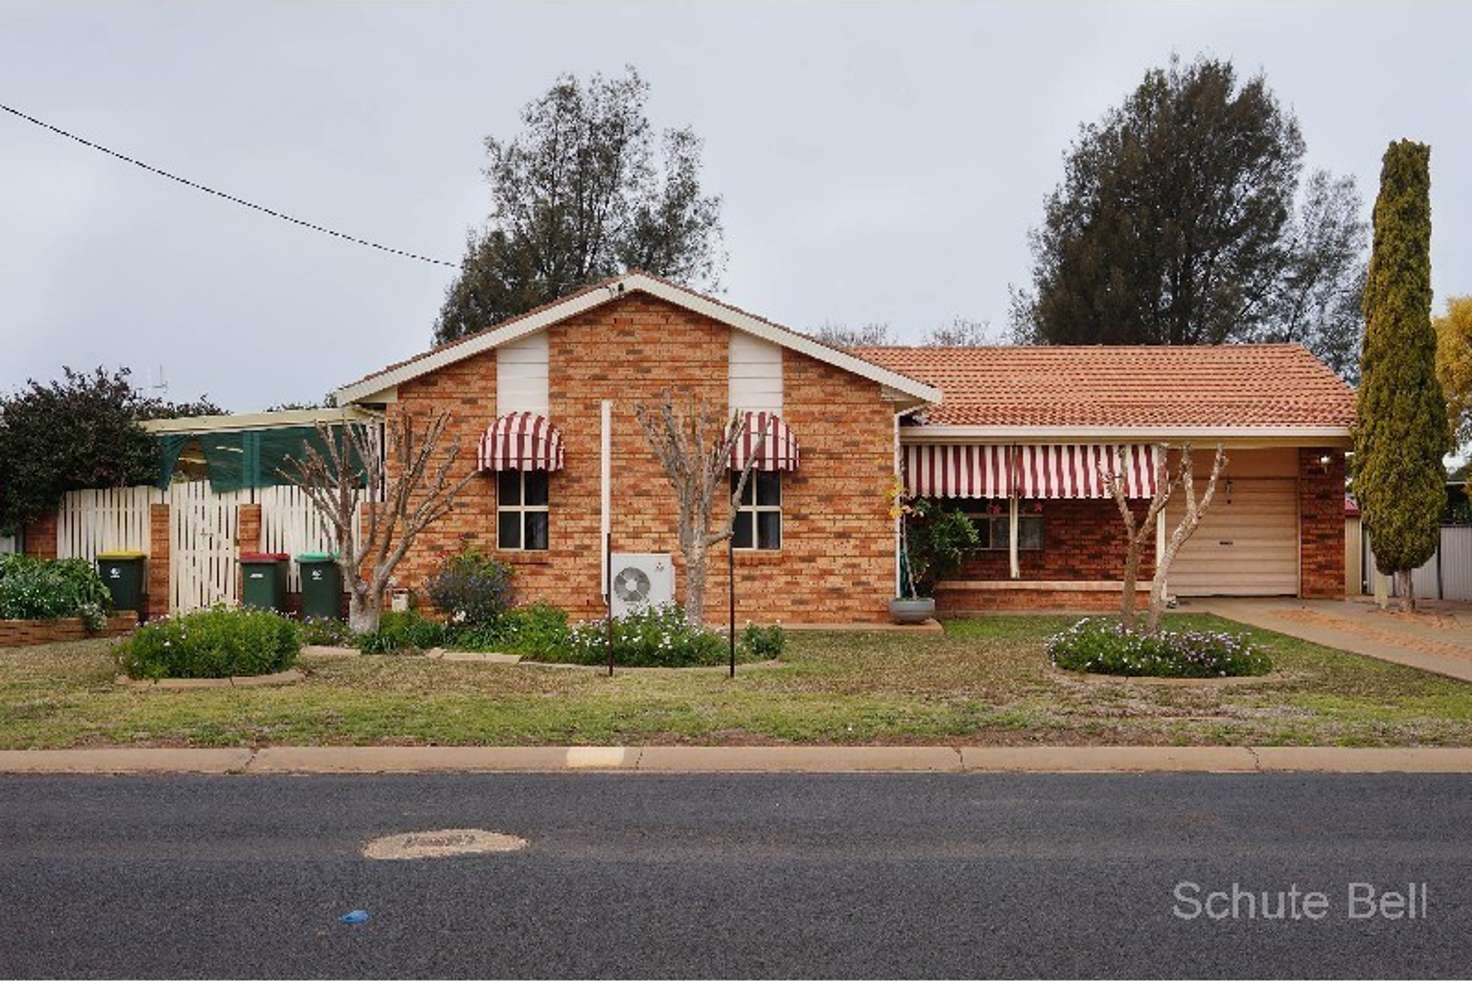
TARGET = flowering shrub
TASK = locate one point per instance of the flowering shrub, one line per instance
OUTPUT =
(41, 589)
(328, 631)
(655, 637)
(1102, 645)
(763, 642)
(538, 630)
(211, 644)
(471, 588)
(401, 631)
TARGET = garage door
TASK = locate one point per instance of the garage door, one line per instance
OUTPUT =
(1247, 545)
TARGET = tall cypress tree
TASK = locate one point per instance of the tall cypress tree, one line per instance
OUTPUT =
(1402, 431)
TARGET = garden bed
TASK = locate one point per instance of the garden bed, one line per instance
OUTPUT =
(984, 682)
(21, 633)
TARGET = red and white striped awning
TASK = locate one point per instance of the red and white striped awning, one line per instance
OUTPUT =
(778, 451)
(520, 441)
(1027, 471)
(1072, 470)
(953, 471)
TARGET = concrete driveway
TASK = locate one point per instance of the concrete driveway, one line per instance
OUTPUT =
(1437, 638)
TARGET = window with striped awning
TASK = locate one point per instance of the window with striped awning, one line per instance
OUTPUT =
(778, 451)
(1070, 470)
(520, 441)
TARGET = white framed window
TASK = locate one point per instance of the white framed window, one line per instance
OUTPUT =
(759, 513)
(993, 532)
(521, 510)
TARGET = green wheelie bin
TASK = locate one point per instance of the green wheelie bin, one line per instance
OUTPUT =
(321, 585)
(263, 580)
(122, 571)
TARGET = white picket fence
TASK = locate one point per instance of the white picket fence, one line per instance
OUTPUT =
(204, 556)
(104, 520)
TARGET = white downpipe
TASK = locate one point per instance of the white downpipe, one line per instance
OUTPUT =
(605, 462)
(1012, 523)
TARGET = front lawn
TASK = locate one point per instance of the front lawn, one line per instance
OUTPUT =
(984, 681)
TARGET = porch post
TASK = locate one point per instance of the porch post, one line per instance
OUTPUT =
(1012, 537)
(1160, 544)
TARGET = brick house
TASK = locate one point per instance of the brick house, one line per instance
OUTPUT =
(1011, 435)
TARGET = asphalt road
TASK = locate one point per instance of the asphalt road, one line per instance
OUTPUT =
(746, 875)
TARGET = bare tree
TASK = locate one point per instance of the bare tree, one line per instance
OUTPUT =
(402, 501)
(875, 334)
(1195, 511)
(695, 452)
(1136, 533)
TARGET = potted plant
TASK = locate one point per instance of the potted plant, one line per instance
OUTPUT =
(933, 541)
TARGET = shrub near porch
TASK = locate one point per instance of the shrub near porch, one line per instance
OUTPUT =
(983, 682)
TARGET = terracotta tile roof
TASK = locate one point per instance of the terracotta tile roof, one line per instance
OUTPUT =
(1238, 385)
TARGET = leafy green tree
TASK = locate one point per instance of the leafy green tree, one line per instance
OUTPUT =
(1178, 222)
(77, 432)
(1454, 364)
(576, 197)
(1401, 431)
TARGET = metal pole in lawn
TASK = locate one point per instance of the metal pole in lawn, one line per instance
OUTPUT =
(731, 583)
(608, 573)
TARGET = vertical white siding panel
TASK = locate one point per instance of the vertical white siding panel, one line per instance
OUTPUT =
(755, 375)
(521, 376)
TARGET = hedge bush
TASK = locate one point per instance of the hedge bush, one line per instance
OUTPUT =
(1103, 645)
(211, 644)
(42, 589)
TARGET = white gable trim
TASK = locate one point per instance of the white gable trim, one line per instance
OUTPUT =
(615, 289)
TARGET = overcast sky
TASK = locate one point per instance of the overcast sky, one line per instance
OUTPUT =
(879, 162)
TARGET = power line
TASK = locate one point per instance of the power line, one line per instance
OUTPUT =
(228, 197)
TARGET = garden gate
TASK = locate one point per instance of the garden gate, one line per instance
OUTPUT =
(204, 563)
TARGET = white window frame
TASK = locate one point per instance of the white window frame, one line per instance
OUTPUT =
(521, 508)
(755, 509)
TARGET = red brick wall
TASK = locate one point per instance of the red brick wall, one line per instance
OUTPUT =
(1321, 523)
(158, 560)
(836, 563)
(19, 634)
(40, 537)
(1082, 540)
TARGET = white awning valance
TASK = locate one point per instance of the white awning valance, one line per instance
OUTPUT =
(1027, 471)
(520, 441)
(778, 451)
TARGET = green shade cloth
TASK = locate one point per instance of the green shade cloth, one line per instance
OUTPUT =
(170, 445)
(237, 459)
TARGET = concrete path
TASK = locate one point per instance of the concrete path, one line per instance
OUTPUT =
(1435, 641)
(698, 760)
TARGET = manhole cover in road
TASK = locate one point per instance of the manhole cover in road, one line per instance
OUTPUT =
(441, 843)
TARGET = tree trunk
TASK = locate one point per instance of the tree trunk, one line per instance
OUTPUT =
(363, 610)
(1408, 590)
(695, 564)
(1131, 575)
